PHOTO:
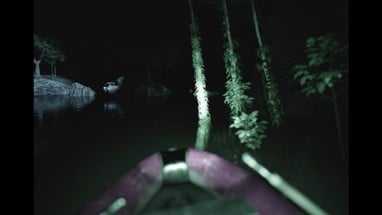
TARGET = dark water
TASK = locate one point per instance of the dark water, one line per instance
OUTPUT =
(82, 146)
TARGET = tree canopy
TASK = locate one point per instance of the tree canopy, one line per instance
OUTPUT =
(47, 50)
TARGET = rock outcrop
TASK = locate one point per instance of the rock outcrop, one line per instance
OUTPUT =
(44, 86)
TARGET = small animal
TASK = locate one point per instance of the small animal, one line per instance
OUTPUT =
(112, 87)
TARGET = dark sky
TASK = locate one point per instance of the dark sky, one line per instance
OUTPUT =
(103, 39)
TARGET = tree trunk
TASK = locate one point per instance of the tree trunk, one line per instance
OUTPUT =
(273, 103)
(191, 12)
(338, 124)
(234, 92)
(37, 67)
(51, 70)
(54, 70)
(204, 124)
(228, 28)
(203, 133)
(257, 29)
(261, 46)
(200, 79)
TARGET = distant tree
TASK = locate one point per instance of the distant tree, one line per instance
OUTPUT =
(47, 51)
(326, 65)
(52, 55)
(40, 49)
(271, 93)
(200, 84)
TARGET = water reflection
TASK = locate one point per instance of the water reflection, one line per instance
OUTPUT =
(113, 108)
(54, 103)
(48, 108)
(101, 146)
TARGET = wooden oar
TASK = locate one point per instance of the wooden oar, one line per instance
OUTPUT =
(284, 187)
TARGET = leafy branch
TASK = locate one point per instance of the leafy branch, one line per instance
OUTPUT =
(323, 68)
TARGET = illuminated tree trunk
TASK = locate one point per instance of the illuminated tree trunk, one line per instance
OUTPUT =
(37, 67)
(271, 93)
(204, 123)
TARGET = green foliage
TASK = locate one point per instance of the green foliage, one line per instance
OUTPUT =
(49, 49)
(271, 93)
(250, 131)
(263, 54)
(40, 45)
(235, 96)
(325, 64)
(53, 53)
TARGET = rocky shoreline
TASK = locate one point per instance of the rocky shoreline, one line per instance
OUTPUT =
(45, 86)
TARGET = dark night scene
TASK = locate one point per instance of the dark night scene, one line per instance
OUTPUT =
(191, 107)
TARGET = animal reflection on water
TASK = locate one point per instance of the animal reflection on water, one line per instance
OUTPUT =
(113, 108)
